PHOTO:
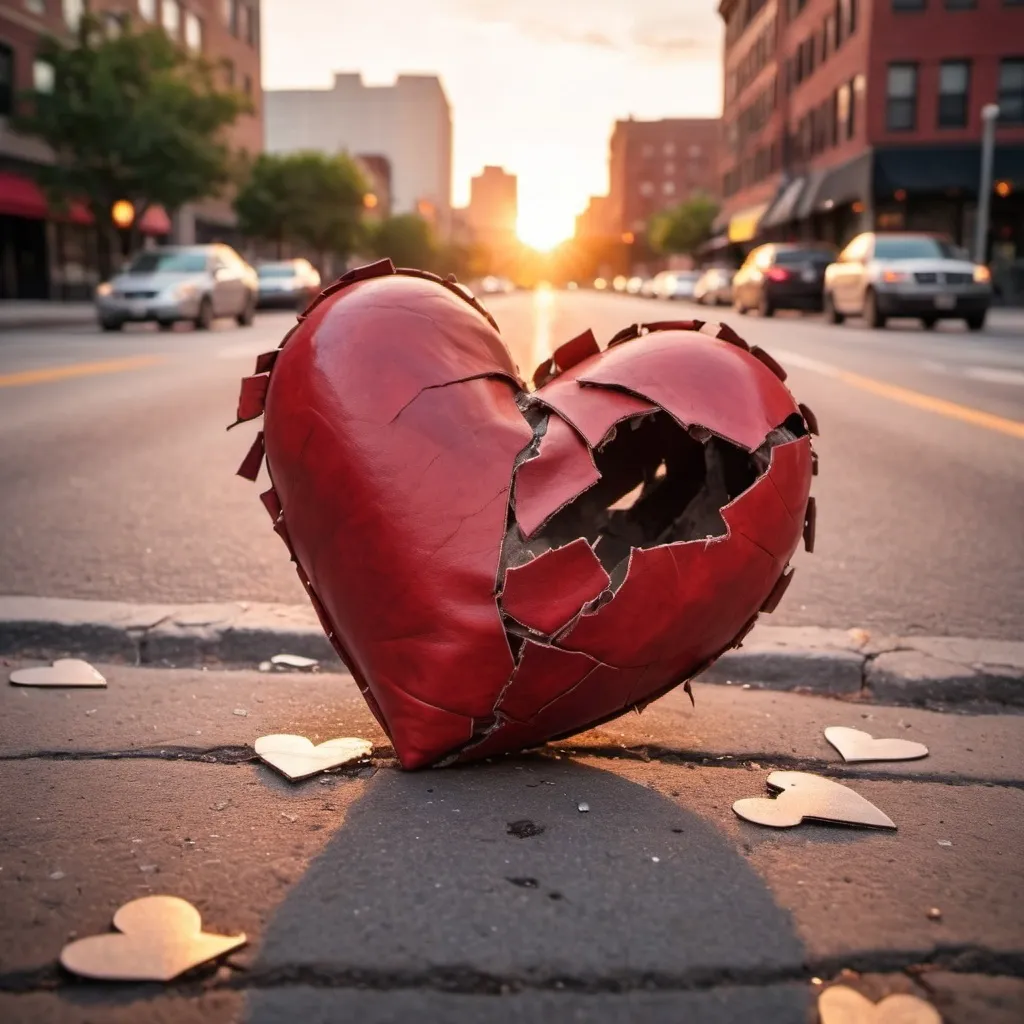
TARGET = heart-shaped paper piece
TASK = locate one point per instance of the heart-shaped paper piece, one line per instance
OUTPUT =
(842, 1005)
(856, 745)
(65, 672)
(465, 540)
(161, 937)
(802, 795)
(297, 758)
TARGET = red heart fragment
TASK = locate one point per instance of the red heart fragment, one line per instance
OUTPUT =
(499, 567)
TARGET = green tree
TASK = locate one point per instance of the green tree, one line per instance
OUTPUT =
(407, 240)
(684, 228)
(130, 116)
(307, 198)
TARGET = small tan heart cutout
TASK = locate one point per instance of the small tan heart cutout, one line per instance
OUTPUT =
(842, 1005)
(856, 745)
(63, 672)
(161, 937)
(296, 758)
(802, 795)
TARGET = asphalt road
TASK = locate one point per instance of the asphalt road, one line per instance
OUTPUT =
(117, 476)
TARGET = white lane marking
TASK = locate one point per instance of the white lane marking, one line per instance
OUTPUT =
(995, 376)
(789, 358)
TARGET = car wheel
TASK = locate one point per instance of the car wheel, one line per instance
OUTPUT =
(204, 319)
(976, 322)
(764, 305)
(107, 324)
(248, 314)
(929, 322)
(832, 315)
(874, 318)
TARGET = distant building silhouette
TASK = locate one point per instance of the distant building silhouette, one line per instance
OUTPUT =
(493, 208)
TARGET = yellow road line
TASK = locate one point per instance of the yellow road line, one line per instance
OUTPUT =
(916, 399)
(47, 374)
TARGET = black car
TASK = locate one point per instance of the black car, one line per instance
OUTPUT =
(781, 275)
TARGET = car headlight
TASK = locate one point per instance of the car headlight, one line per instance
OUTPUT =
(184, 291)
(105, 289)
(895, 276)
(982, 274)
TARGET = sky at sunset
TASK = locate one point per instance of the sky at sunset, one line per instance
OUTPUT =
(534, 85)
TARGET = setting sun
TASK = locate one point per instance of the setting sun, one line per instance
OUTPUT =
(543, 225)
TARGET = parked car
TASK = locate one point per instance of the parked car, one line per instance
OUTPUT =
(676, 284)
(714, 287)
(647, 288)
(196, 283)
(878, 276)
(781, 275)
(492, 285)
(292, 284)
(633, 285)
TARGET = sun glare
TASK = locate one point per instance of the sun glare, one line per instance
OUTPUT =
(543, 226)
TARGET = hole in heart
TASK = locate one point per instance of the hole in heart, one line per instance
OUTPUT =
(660, 483)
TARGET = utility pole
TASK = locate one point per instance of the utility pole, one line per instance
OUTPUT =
(989, 113)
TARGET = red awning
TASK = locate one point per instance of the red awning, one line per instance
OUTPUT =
(22, 197)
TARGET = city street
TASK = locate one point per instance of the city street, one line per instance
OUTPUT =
(118, 475)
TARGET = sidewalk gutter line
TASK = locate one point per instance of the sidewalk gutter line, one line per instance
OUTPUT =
(847, 664)
(457, 979)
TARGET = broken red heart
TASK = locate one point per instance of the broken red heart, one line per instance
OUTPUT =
(498, 566)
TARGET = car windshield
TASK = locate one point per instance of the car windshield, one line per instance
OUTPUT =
(277, 270)
(686, 275)
(915, 248)
(791, 256)
(168, 263)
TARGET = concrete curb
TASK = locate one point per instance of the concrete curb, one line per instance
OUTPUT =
(839, 663)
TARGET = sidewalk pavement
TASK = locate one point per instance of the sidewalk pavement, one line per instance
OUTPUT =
(19, 314)
(911, 670)
(375, 895)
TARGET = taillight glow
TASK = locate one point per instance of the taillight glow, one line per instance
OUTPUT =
(777, 274)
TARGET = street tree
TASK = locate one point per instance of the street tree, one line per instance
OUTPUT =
(684, 228)
(130, 116)
(407, 240)
(307, 199)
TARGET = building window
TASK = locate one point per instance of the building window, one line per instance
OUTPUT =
(901, 98)
(113, 23)
(1011, 91)
(669, 188)
(908, 5)
(171, 17)
(73, 11)
(960, 5)
(954, 81)
(670, 170)
(35, 6)
(646, 188)
(193, 32)
(851, 17)
(42, 76)
(669, 149)
(247, 85)
(6, 80)
(147, 8)
(229, 73)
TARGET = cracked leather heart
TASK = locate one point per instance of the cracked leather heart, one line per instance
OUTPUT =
(805, 796)
(160, 938)
(64, 672)
(857, 745)
(297, 758)
(842, 1005)
(500, 566)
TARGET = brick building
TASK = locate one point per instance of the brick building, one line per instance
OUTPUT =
(45, 254)
(654, 165)
(846, 115)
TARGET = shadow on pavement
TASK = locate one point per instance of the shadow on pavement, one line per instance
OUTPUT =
(484, 894)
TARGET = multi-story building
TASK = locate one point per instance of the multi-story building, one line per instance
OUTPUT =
(409, 123)
(377, 172)
(48, 254)
(654, 165)
(595, 222)
(848, 115)
(493, 208)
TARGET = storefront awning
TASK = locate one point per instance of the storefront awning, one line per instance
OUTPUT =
(837, 186)
(743, 225)
(783, 209)
(939, 168)
(22, 197)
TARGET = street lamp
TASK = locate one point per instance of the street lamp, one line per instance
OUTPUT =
(122, 213)
(989, 113)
